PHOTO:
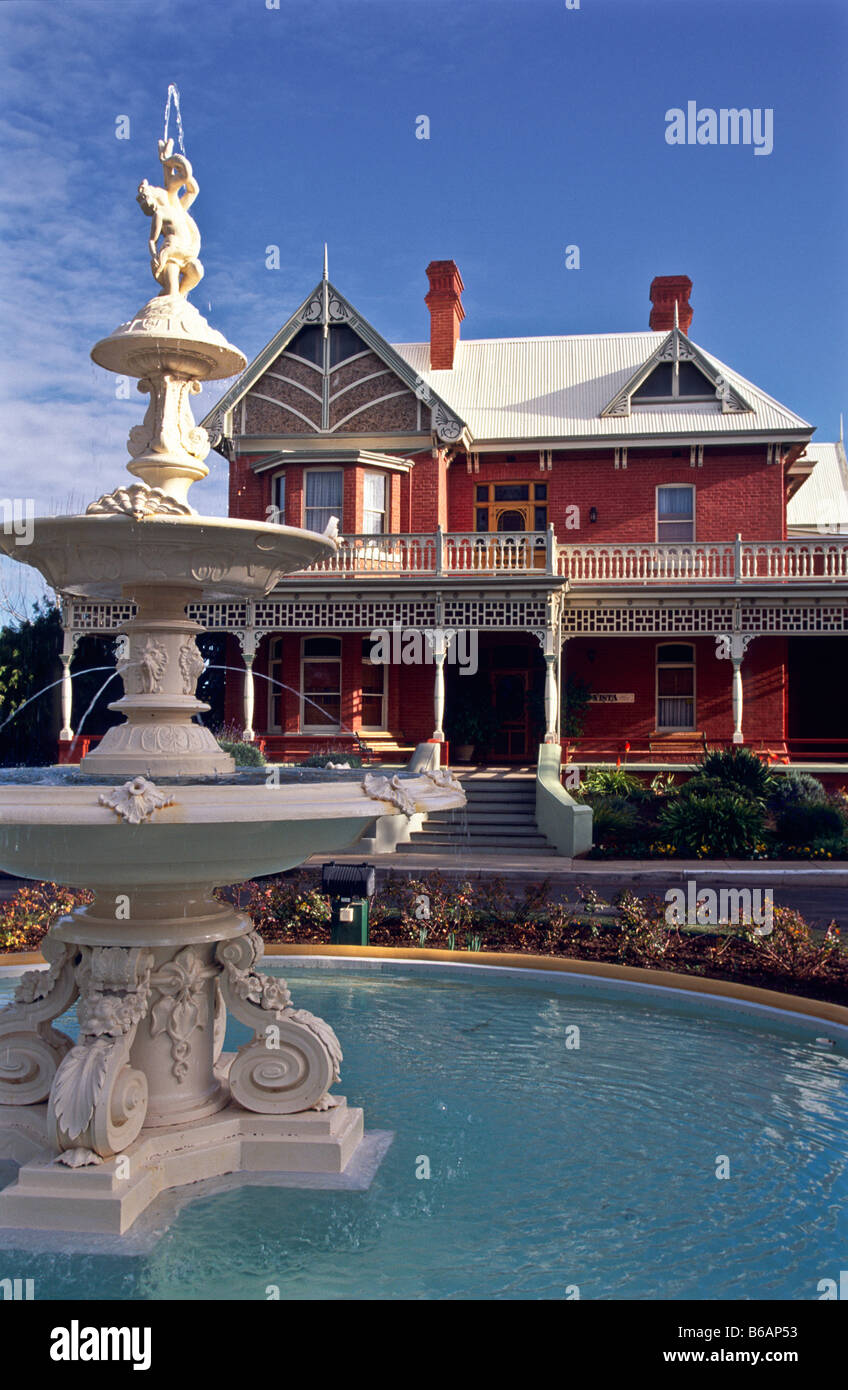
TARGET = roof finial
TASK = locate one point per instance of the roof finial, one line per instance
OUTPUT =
(676, 314)
(326, 273)
(841, 430)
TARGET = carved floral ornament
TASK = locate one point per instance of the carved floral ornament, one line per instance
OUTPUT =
(136, 800)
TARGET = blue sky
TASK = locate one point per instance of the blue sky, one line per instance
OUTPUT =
(547, 129)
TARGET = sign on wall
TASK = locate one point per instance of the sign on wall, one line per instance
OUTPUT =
(619, 699)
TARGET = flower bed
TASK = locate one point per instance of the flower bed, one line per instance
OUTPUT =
(433, 911)
(734, 807)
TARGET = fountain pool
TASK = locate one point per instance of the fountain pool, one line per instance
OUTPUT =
(616, 1194)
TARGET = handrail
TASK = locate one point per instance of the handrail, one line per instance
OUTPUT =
(640, 563)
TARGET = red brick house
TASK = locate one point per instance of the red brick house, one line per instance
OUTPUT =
(605, 513)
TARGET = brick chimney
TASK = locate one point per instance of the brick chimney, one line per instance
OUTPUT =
(446, 312)
(665, 289)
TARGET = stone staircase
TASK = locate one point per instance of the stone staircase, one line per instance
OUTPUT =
(499, 819)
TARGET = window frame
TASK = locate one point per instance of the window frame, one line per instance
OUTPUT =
(278, 483)
(661, 487)
(307, 472)
(384, 478)
(675, 665)
(306, 728)
(380, 728)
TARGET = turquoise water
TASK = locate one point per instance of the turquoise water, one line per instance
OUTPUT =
(550, 1166)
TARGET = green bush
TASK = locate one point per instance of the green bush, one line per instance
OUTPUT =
(615, 822)
(612, 781)
(714, 823)
(801, 824)
(245, 754)
(795, 789)
(737, 769)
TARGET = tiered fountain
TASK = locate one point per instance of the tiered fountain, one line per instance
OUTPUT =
(146, 1099)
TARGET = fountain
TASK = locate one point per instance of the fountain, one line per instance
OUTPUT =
(146, 1099)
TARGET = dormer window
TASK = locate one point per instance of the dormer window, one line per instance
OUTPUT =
(688, 383)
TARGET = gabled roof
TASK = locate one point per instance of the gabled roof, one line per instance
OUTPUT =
(511, 389)
(326, 306)
(820, 506)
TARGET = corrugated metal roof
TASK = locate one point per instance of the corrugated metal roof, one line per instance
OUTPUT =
(550, 388)
(821, 502)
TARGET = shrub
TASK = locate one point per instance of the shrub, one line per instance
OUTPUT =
(737, 769)
(714, 823)
(32, 910)
(790, 949)
(245, 754)
(800, 824)
(612, 781)
(795, 789)
(280, 904)
(614, 822)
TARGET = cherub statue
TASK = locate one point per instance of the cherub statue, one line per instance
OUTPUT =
(174, 264)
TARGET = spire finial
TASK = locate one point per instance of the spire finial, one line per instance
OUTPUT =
(841, 429)
(676, 315)
(326, 273)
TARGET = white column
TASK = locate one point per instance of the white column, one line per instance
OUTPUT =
(732, 646)
(551, 701)
(248, 733)
(66, 732)
(247, 640)
(439, 694)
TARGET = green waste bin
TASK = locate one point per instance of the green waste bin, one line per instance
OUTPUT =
(348, 886)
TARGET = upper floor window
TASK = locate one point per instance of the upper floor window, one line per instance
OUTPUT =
(278, 499)
(687, 383)
(676, 513)
(374, 504)
(511, 507)
(322, 498)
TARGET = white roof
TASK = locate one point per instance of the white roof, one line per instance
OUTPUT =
(821, 503)
(556, 388)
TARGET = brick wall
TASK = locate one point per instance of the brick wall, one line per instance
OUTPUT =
(629, 665)
(735, 490)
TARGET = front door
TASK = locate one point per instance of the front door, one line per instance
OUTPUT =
(509, 698)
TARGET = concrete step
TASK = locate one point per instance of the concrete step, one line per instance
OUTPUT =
(481, 817)
(483, 832)
(456, 847)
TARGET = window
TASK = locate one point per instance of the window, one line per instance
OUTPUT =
(676, 513)
(688, 383)
(275, 692)
(676, 686)
(374, 504)
(322, 497)
(373, 689)
(321, 684)
(278, 499)
(511, 507)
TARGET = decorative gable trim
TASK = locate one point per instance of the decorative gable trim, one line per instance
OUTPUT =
(326, 306)
(676, 348)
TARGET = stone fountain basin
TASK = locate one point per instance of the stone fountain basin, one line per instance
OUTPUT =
(103, 557)
(211, 836)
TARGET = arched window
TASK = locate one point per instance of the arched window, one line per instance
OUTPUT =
(321, 684)
(676, 686)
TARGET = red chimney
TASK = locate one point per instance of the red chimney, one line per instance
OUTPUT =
(446, 312)
(665, 290)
